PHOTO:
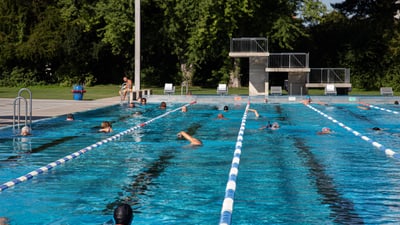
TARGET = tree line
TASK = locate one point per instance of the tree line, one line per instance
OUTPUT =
(92, 41)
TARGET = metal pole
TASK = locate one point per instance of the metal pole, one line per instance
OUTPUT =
(137, 45)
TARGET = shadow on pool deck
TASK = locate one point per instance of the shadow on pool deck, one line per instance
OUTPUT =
(8, 120)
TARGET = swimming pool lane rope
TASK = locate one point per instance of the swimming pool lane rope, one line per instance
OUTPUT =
(380, 108)
(389, 152)
(227, 205)
(74, 155)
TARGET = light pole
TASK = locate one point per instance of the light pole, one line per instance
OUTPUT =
(137, 45)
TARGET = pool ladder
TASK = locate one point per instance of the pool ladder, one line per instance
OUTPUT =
(121, 91)
(17, 111)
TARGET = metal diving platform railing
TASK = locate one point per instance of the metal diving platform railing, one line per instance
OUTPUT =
(248, 47)
(288, 60)
(319, 77)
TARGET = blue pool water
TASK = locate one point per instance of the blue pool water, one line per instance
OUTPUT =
(287, 176)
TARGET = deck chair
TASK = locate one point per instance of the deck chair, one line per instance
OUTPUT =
(222, 89)
(169, 88)
(330, 89)
(276, 90)
(388, 91)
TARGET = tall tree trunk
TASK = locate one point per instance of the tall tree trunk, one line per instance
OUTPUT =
(234, 76)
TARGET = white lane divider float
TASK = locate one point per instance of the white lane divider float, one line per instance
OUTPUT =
(380, 108)
(74, 155)
(389, 152)
(227, 205)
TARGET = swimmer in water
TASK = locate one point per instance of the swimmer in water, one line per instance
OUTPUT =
(325, 130)
(192, 140)
(106, 127)
(273, 126)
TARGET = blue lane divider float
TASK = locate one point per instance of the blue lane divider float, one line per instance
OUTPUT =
(389, 152)
(380, 108)
(74, 155)
(227, 205)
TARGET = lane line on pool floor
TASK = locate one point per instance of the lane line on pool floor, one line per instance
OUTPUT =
(227, 205)
(74, 155)
(389, 152)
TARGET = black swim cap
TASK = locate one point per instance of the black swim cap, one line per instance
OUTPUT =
(123, 214)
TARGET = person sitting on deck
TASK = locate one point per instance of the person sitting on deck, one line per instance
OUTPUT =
(127, 88)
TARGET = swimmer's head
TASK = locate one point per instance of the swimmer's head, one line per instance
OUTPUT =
(123, 214)
(25, 131)
(70, 117)
(326, 130)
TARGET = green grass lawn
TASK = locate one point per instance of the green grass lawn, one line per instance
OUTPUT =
(105, 91)
(57, 92)
(101, 91)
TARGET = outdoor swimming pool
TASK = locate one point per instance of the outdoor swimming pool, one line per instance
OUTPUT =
(286, 176)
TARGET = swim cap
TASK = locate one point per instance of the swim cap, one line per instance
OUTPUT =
(123, 214)
(26, 130)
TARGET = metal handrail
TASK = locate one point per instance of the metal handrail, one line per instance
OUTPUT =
(30, 102)
(329, 75)
(18, 116)
(288, 60)
(245, 44)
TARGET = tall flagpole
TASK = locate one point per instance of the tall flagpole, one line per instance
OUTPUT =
(137, 45)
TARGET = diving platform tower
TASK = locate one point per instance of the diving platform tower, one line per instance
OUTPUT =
(290, 71)
(262, 63)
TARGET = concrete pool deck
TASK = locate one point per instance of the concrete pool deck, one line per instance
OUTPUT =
(47, 108)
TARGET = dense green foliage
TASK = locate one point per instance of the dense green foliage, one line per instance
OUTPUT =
(69, 41)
